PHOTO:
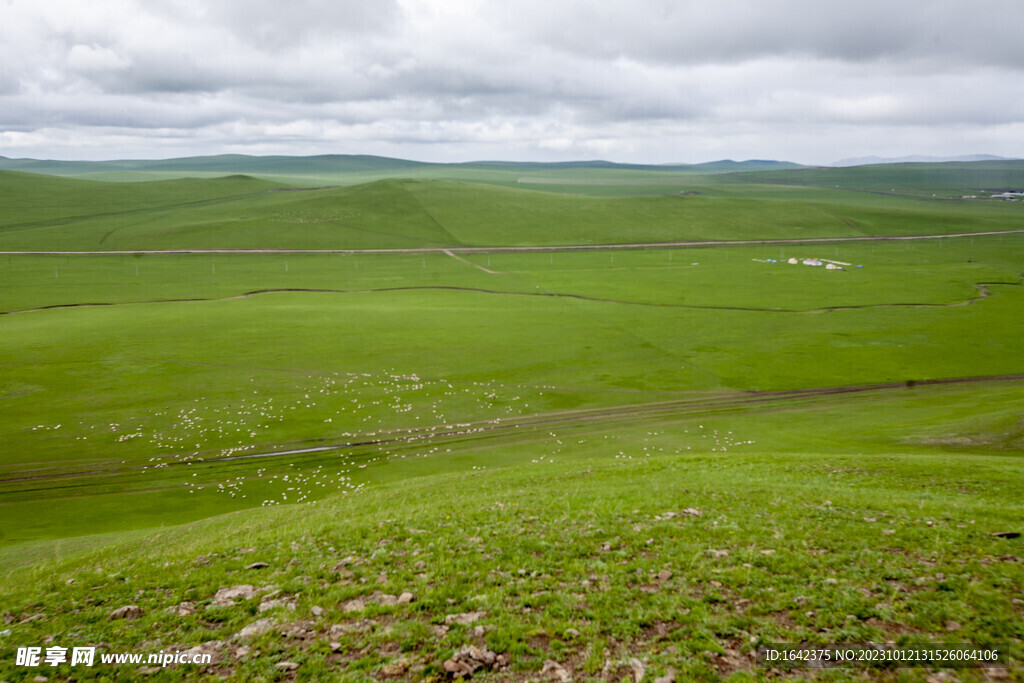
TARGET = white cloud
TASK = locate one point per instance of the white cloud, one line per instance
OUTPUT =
(645, 80)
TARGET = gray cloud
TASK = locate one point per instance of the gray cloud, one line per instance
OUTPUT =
(645, 80)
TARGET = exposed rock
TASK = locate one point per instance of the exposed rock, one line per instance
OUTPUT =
(664, 575)
(354, 605)
(572, 633)
(277, 602)
(953, 626)
(405, 598)
(383, 599)
(338, 630)
(471, 659)
(257, 565)
(638, 669)
(316, 611)
(669, 677)
(693, 512)
(286, 666)
(127, 612)
(553, 671)
(1005, 534)
(396, 669)
(210, 647)
(464, 618)
(227, 596)
(181, 610)
(256, 628)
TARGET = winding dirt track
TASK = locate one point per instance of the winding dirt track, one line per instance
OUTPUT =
(496, 427)
(528, 249)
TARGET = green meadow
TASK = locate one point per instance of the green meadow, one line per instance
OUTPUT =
(651, 455)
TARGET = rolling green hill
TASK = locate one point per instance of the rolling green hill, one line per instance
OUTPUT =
(948, 178)
(241, 212)
(593, 463)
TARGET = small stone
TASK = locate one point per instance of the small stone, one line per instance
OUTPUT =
(273, 604)
(182, 610)
(127, 612)
(664, 575)
(464, 618)
(316, 611)
(693, 512)
(572, 633)
(210, 647)
(669, 677)
(257, 565)
(354, 605)
(286, 666)
(953, 626)
(227, 596)
(554, 671)
(396, 668)
(1005, 534)
(147, 670)
(405, 598)
(638, 669)
(256, 628)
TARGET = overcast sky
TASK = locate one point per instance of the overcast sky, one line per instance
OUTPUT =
(650, 81)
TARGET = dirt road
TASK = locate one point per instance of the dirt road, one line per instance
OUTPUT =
(451, 251)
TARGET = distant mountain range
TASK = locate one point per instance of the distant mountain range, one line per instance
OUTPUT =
(348, 163)
(327, 165)
(915, 159)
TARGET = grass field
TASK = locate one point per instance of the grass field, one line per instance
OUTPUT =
(505, 432)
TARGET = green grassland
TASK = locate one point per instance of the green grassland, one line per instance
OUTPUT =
(945, 179)
(504, 431)
(246, 213)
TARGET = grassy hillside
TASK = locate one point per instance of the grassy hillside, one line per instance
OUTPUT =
(947, 179)
(32, 200)
(682, 542)
(176, 358)
(239, 212)
(587, 462)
